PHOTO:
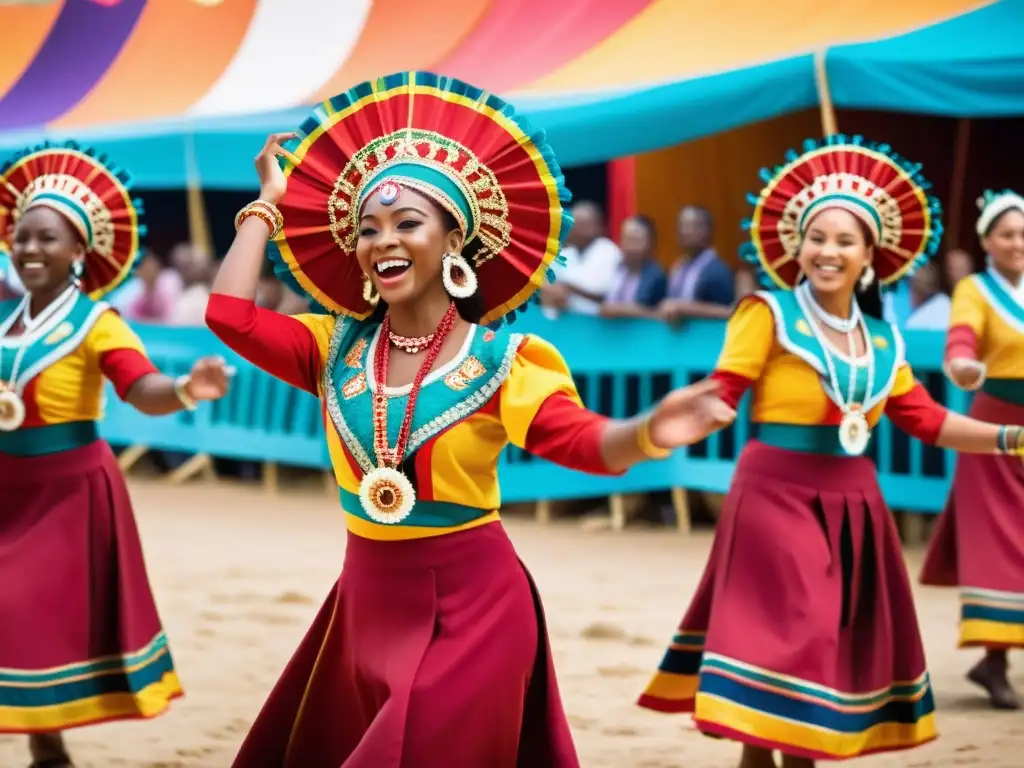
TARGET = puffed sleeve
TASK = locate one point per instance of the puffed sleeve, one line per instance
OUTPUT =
(291, 347)
(542, 412)
(912, 409)
(966, 321)
(118, 352)
(749, 337)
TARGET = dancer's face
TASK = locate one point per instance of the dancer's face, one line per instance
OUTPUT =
(835, 251)
(43, 247)
(400, 246)
(1005, 243)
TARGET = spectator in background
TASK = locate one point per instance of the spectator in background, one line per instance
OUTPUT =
(957, 265)
(194, 267)
(929, 305)
(150, 295)
(10, 283)
(700, 284)
(640, 282)
(592, 263)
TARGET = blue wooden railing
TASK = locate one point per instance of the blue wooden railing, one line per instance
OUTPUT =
(621, 367)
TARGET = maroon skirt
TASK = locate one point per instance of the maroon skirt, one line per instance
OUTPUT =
(802, 635)
(981, 549)
(82, 641)
(428, 652)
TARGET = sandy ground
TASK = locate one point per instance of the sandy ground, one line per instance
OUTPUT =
(238, 576)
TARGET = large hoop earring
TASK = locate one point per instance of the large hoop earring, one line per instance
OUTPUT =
(867, 277)
(459, 278)
(370, 294)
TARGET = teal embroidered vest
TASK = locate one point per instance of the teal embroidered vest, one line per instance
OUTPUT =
(449, 395)
(58, 337)
(997, 293)
(793, 331)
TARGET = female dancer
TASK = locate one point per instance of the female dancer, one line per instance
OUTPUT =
(420, 209)
(983, 553)
(82, 642)
(802, 636)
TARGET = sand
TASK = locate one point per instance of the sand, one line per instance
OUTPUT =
(238, 575)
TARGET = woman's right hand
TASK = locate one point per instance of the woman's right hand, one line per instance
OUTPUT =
(273, 182)
(966, 373)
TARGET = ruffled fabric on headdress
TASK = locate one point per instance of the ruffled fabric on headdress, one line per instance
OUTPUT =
(463, 147)
(869, 180)
(992, 205)
(90, 194)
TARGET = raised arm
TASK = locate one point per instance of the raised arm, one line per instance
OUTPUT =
(291, 348)
(913, 410)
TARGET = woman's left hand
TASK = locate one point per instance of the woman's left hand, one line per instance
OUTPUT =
(687, 415)
(208, 379)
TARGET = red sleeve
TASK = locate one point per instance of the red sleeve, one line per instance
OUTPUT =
(276, 343)
(961, 341)
(124, 367)
(731, 387)
(917, 414)
(568, 434)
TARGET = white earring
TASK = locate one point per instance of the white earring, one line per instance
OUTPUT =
(459, 278)
(370, 294)
(867, 278)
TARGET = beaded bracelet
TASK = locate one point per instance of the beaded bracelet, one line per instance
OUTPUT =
(1009, 440)
(266, 212)
(647, 446)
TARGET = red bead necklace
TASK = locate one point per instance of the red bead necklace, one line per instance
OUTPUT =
(386, 457)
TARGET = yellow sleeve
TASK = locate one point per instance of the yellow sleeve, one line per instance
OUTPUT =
(968, 307)
(322, 328)
(748, 339)
(905, 381)
(111, 332)
(538, 371)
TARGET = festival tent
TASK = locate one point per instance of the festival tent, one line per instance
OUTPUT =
(171, 86)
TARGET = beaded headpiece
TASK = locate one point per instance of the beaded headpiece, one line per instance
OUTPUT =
(993, 205)
(92, 196)
(885, 192)
(460, 146)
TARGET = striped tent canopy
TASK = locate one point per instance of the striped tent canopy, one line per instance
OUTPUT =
(159, 81)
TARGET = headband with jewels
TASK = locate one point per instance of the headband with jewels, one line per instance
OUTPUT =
(885, 192)
(460, 146)
(90, 194)
(993, 205)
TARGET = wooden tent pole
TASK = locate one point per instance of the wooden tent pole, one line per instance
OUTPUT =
(828, 112)
(954, 214)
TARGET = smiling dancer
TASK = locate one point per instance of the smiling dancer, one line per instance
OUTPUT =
(979, 540)
(81, 642)
(809, 645)
(419, 208)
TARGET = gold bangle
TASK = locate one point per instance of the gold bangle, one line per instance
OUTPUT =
(266, 211)
(262, 216)
(647, 447)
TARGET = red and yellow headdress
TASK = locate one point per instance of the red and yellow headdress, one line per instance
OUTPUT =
(90, 194)
(885, 192)
(462, 147)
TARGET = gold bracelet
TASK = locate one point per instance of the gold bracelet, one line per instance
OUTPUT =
(262, 216)
(647, 447)
(267, 212)
(181, 392)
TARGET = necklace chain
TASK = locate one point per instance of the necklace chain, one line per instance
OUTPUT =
(30, 327)
(410, 344)
(386, 457)
(836, 323)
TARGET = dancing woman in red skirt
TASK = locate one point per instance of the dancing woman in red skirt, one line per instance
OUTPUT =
(979, 540)
(81, 641)
(418, 210)
(802, 637)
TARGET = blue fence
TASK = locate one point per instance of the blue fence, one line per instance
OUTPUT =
(621, 367)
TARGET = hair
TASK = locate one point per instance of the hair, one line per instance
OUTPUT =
(868, 299)
(647, 223)
(992, 224)
(704, 214)
(470, 309)
(595, 207)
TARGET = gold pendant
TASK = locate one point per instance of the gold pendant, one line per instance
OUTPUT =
(854, 432)
(12, 410)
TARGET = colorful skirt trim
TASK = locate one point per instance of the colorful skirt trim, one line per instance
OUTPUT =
(428, 652)
(809, 644)
(82, 640)
(982, 551)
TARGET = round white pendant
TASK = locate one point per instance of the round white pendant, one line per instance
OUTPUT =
(854, 432)
(387, 495)
(12, 410)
